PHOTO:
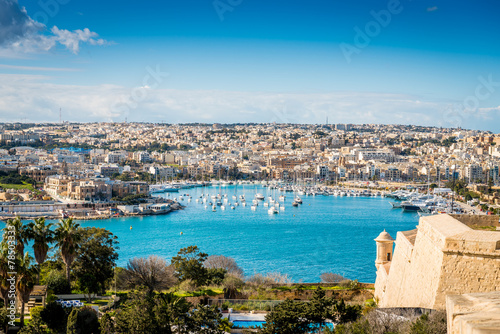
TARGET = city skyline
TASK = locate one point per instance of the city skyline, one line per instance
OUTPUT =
(400, 62)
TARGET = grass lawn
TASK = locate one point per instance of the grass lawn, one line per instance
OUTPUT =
(203, 292)
(17, 186)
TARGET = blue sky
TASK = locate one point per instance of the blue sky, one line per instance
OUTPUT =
(422, 62)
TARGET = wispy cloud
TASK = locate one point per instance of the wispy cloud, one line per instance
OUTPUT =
(432, 9)
(34, 98)
(20, 34)
(34, 68)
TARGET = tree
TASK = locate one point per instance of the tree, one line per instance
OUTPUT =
(4, 270)
(26, 279)
(434, 323)
(42, 235)
(96, 259)
(35, 324)
(152, 273)
(57, 282)
(21, 233)
(223, 262)
(4, 319)
(68, 236)
(171, 310)
(137, 315)
(188, 264)
(55, 316)
(231, 285)
(107, 324)
(207, 320)
(345, 313)
(319, 309)
(287, 317)
(331, 278)
(83, 321)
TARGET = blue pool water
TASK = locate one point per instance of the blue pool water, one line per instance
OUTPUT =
(259, 324)
(324, 234)
(248, 324)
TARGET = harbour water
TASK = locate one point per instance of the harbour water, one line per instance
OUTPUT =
(324, 234)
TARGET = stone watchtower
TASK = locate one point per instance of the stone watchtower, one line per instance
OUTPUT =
(384, 249)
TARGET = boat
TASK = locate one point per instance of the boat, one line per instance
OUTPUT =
(162, 188)
(272, 210)
(295, 203)
(396, 205)
(298, 200)
(259, 197)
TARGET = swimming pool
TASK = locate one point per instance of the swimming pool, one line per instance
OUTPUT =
(259, 324)
(247, 324)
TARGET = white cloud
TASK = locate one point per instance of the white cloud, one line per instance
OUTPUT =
(20, 34)
(37, 68)
(432, 9)
(32, 97)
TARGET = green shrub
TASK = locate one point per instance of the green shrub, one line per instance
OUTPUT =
(83, 321)
(345, 283)
(57, 282)
(225, 306)
(55, 316)
(188, 286)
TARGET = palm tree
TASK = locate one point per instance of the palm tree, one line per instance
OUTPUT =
(67, 237)
(26, 279)
(20, 233)
(39, 231)
(4, 269)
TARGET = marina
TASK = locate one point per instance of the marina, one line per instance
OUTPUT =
(323, 234)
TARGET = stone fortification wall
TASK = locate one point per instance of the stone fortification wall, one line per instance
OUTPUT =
(477, 313)
(446, 258)
(415, 270)
(477, 220)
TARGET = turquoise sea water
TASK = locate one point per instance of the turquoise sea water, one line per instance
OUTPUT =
(324, 234)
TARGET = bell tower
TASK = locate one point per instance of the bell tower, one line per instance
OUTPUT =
(384, 249)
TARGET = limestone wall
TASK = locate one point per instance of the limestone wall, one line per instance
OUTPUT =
(380, 283)
(415, 270)
(447, 257)
(477, 313)
(477, 220)
(467, 274)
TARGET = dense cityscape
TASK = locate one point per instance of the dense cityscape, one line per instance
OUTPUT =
(249, 167)
(100, 158)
